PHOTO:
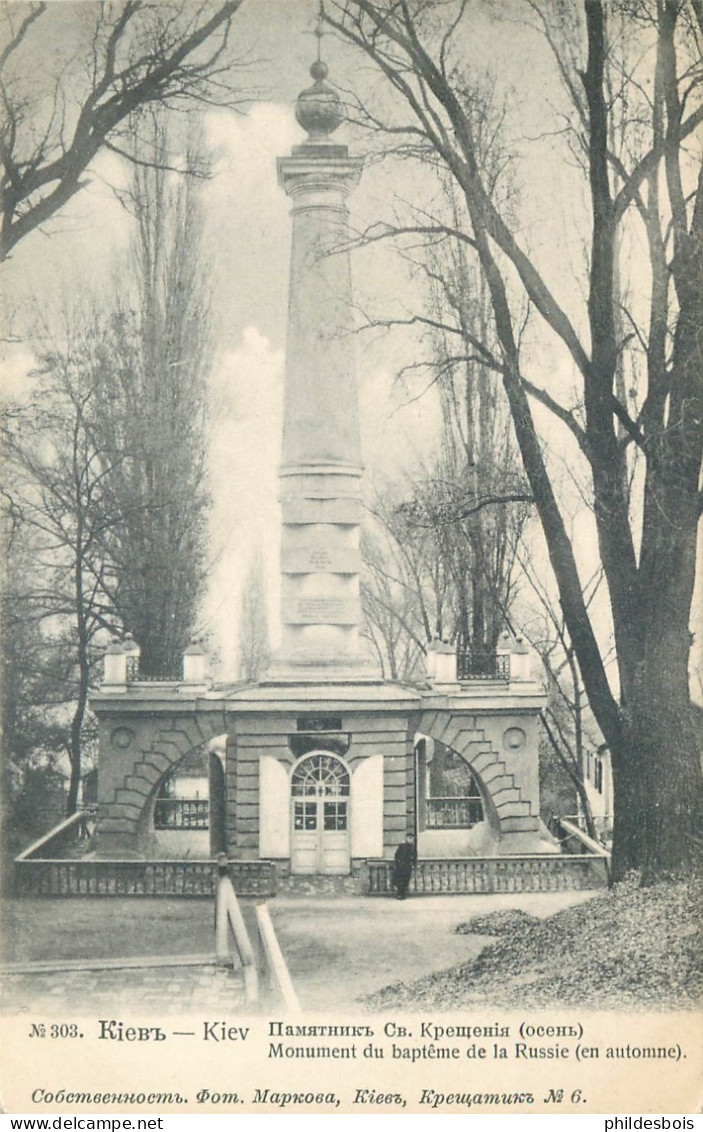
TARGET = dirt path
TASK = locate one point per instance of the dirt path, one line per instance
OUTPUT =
(337, 950)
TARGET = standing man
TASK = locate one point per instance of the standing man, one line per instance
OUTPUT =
(403, 865)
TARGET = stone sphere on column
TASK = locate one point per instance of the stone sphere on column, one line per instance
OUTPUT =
(318, 109)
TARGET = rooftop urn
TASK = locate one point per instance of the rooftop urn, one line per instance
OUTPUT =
(114, 665)
(520, 660)
(444, 663)
(194, 661)
(505, 644)
(431, 659)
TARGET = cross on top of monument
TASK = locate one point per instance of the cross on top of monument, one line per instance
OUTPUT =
(320, 30)
(318, 108)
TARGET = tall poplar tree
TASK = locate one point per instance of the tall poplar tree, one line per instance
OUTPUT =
(153, 410)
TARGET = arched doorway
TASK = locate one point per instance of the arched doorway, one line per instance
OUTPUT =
(320, 787)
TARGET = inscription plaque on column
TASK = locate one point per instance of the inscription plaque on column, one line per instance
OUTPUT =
(320, 559)
(322, 611)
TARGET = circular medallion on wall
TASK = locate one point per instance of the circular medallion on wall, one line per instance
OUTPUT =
(122, 737)
(514, 738)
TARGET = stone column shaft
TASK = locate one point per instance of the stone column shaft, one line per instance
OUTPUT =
(321, 467)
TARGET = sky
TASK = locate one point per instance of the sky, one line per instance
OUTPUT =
(248, 238)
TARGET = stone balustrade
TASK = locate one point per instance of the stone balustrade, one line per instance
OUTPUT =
(102, 877)
(532, 873)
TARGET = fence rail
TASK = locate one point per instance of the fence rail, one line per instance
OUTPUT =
(482, 666)
(544, 873)
(62, 838)
(182, 813)
(36, 877)
(453, 813)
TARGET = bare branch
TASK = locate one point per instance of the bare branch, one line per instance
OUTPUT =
(22, 30)
(160, 71)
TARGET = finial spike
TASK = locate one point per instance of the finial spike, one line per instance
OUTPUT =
(318, 108)
(319, 30)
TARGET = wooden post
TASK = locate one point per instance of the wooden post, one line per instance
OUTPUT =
(228, 915)
(280, 975)
(222, 952)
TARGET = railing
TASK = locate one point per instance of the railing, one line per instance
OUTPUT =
(453, 813)
(136, 676)
(70, 833)
(97, 877)
(602, 822)
(573, 830)
(535, 873)
(182, 813)
(472, 665)
(229, 924)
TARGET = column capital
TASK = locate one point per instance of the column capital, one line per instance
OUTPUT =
(303, 172)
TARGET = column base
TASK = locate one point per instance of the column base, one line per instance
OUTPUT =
(310, 669)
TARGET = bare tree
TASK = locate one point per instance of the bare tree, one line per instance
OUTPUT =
(55, 475)
(437, 568)
(104, 467)
(479, 463)
(37, 687)
(122, 56)
(406, 587)
(452, 532)
(642, 178)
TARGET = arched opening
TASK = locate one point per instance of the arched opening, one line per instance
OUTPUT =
(453, 812)
(187, 816)
(449, 797)
(320, 818)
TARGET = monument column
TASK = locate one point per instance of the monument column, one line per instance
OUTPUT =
(321, 468)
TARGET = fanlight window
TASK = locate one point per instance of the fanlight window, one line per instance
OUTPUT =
(320, 776)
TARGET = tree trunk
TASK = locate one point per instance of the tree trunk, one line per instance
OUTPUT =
(657, 793)
(586, 808)
(75, 752)
(657, 779)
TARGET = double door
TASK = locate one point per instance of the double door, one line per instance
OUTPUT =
(320, 815)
